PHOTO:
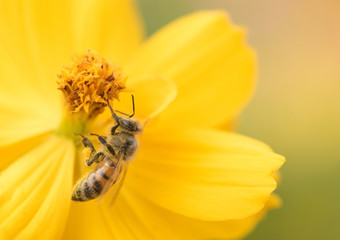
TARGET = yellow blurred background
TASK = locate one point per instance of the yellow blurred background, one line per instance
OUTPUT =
(296, 107)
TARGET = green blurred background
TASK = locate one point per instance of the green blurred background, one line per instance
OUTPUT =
(296, 106)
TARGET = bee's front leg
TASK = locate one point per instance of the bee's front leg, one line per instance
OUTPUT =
(86, 142)
(95, 158)
(113, 129)
(105, 143)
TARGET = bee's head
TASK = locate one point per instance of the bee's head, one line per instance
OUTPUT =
(125, 124)
(129, 125)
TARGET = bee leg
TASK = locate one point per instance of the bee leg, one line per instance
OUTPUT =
(113, 130)
(114, 116)
(86, 142)
(95, 158)
(104, 142)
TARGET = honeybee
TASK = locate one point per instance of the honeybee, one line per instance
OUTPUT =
(118, 149)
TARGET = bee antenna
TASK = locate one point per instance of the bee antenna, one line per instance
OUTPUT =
(79, 134)
(112, 112)
(133, 109)
(133, 106)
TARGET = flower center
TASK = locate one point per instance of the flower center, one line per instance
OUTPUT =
(86, 84)
(88, 81)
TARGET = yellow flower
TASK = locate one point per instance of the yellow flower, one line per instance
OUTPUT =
(190, 178)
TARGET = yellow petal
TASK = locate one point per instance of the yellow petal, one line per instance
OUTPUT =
(152, 94)
(15, 150)
(35, 192)
(149, 221)
(87, 222)
(21, 92)
(134, 217)
(111, 27)
(208, 59)
(22, 119)
(204, 174)
(35, 41)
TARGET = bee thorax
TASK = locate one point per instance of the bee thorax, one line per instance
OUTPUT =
(126, 143)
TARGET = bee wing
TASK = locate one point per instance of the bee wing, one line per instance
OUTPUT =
(113, 178)
(118, 184)
(100, 164)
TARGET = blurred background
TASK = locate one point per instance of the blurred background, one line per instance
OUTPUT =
(296, 106)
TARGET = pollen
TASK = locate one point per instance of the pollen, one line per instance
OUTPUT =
(88, 81)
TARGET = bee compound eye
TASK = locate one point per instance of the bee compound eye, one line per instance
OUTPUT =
(128, 125)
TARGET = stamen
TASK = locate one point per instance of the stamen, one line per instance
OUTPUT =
(88, 81)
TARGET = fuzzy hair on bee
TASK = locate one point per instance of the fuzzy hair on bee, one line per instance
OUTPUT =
(117, 150)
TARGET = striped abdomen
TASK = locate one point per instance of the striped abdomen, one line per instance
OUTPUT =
(91, 186)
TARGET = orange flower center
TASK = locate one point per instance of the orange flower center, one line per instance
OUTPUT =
(88, 81)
